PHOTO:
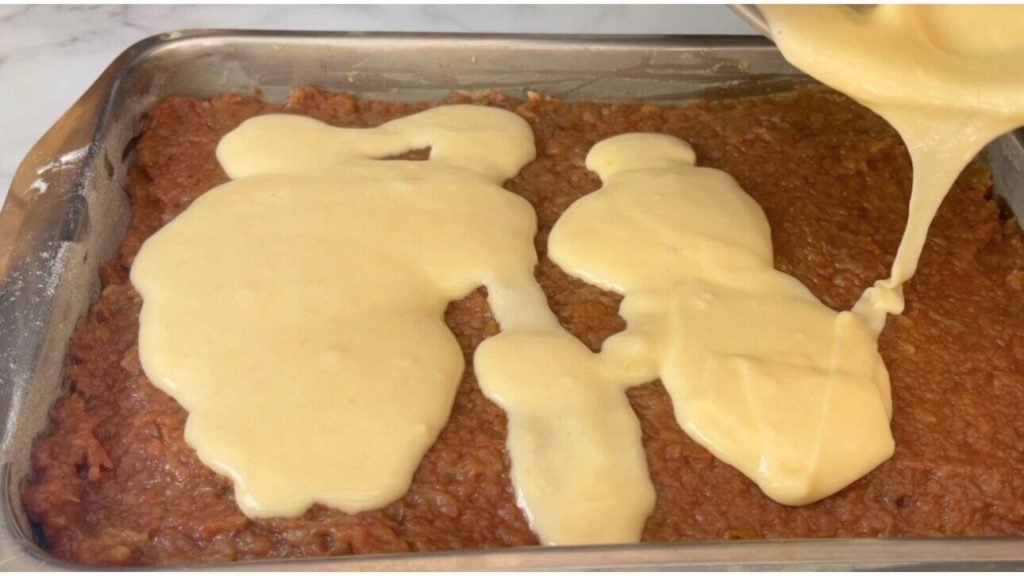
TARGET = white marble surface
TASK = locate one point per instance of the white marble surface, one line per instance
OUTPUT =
(49, 55)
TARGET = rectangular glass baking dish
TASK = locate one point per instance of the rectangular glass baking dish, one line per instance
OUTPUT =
(67, 211)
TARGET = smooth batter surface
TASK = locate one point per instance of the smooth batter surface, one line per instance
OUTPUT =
(787, 390)
(297, 312)
(116, 483)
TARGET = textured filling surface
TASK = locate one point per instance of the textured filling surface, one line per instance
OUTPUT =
(115, 482)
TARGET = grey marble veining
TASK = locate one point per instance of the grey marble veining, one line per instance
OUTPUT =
(49, 55)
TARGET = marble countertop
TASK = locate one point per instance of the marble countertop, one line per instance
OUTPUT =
(49, 55)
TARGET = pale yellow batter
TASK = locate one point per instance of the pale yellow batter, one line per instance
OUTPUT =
(760, 372)
(297, 311)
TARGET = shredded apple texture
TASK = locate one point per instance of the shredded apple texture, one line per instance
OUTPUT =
(116, 484)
